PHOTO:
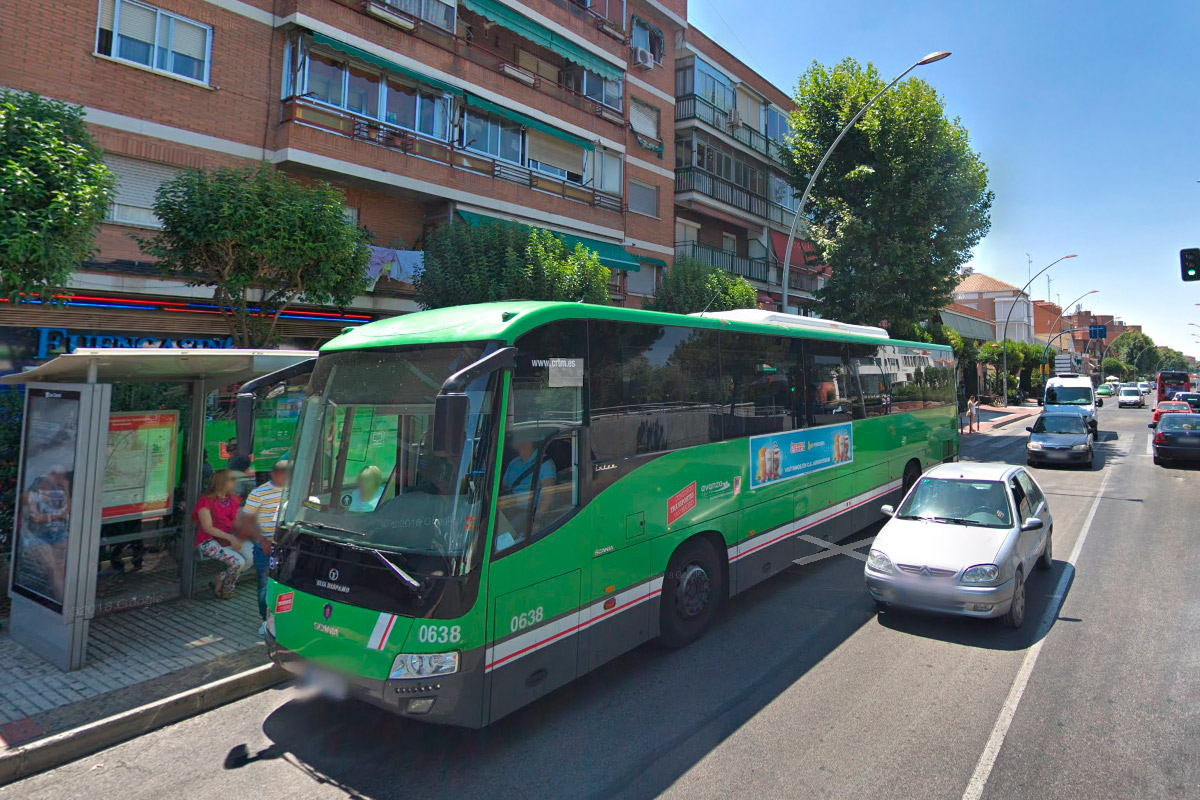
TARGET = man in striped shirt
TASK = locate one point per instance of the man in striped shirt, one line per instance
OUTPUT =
(261, 516)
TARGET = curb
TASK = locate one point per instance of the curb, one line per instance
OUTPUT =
(1000, 423)
(61, 748)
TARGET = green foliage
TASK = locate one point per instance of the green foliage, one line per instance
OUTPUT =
(54, 191)
(901, 203)
(1112, 366)
(260, 238)
(500, 260)
(690, 286)
(1137, 350)
(1172, 359)
(992, 354)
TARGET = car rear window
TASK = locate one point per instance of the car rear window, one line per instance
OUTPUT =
(1180, 422)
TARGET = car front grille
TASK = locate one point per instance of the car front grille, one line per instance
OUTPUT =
(934, 572)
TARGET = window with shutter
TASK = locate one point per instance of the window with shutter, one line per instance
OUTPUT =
(643, 198)
(153, 38)
(137, 182)
(553, 152)
(644, 119)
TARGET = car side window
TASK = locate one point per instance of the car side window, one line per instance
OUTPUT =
(1024, 512)
(1031, 490)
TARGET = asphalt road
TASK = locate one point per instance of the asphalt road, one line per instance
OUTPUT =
(800, 690)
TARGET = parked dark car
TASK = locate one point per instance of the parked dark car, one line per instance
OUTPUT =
(1177, 438)
(1062, 437)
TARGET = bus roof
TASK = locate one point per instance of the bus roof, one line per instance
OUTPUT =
(505, 321)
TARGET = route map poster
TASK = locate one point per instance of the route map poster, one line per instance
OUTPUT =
(139, 475)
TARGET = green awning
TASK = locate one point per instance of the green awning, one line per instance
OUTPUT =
(658, 262)
(528, 121)
(383, 63)
(611, 255)
(541, 35)
(968, 327)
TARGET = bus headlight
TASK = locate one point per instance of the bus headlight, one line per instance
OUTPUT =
(423, 665)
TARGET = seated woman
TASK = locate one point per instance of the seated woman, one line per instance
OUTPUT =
(369, 490)
(215, 514)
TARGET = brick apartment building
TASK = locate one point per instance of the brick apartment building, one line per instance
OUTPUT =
(555, 113)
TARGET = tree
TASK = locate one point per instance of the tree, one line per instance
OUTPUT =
(1112, 366)
(1137, 350)
(1172, 359)
(901, 203)
(691, 286)
(54, 192)
(500, 260)
(263, 240)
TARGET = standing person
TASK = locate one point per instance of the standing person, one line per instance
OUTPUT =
(972, 414)
(962, 413)
(260, 517)
(216, 515)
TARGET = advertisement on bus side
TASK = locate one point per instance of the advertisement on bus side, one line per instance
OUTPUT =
(778, 456)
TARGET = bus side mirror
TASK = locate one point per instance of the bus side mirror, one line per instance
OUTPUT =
(450, 424)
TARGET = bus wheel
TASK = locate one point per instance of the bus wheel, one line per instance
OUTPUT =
(912, 471)
(692, 590)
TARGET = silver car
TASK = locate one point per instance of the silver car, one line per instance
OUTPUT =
(1060, 438)
(1131, 397)
(964, 541)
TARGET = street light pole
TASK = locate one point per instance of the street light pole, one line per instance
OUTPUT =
(787, 251)
(1062, 311)
(1004, 339)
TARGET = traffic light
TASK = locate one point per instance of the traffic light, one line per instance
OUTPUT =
(1189, 263)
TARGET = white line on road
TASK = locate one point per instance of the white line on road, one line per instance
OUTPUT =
(987, 759)
(1150, 445)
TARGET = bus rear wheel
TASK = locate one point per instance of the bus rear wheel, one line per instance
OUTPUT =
(691, 595)
(912, 471)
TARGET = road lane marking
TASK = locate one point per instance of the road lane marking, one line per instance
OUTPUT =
(1150, 444)
(987, 759)
(834, 549)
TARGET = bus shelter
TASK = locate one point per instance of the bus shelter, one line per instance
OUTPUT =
(93, 479)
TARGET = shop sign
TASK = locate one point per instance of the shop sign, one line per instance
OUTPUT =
(56, 341)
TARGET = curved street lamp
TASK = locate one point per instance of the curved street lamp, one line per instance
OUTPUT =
(1004, 340)
(787, 251)
(1060, 316)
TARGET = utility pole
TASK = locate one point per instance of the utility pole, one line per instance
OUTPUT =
(1028, 265)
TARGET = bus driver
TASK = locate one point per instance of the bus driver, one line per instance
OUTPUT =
(517, 481)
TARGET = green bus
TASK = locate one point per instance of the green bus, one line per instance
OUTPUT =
(489, 501)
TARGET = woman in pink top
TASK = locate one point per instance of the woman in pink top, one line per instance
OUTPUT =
(215, 514)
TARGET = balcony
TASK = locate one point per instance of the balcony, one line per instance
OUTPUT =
(410, 16)
(692, 179)
(753, 268)
(692, 106)
(410, 143)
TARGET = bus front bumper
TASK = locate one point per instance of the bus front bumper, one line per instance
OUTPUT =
(448, 700)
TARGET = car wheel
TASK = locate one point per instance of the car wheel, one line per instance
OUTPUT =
(692, 591)
(1016, 612)
(1046, 561)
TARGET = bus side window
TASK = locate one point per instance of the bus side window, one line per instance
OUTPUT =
(827, 395)
(758, 374)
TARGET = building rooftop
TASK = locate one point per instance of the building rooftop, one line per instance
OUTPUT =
(978, 282)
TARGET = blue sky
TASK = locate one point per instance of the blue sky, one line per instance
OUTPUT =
(1086, 113)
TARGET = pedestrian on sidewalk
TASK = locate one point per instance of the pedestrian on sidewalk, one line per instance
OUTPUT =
(260, 517)
(972, 414)
(216, 515)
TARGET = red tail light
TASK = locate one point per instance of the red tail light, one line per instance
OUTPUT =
(1160, 438)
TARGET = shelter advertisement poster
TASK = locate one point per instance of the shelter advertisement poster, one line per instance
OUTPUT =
(779, 456)
(139, 475)
(43, 523)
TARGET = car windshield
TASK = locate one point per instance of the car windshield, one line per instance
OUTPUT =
(1129, 392)
(1068, 395)
(1180, 422)
(366, 473)
(1060, 423)
(958, 501)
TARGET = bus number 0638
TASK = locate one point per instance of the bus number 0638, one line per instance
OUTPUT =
(439, 634)
(525, 619)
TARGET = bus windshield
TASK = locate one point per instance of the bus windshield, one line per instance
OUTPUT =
(365, 471)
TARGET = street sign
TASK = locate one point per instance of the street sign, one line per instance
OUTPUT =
(1189, 263)
(1064, 364)
(1097, 331)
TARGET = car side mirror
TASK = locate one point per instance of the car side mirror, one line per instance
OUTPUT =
(1099, 403)
(1029, 429)
(1151, 425)
(1032, 524)
(888, 511)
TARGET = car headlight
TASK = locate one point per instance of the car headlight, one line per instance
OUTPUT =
(423, 665)
(1034, 446)
(981, 573)
(1079, 447)
(879, 562)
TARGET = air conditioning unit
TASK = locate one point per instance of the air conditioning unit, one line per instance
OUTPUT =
(734, 120)
(643, 58)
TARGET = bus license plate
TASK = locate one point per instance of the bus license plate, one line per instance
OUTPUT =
(326, 683)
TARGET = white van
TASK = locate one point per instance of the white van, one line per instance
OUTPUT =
(1072, 392)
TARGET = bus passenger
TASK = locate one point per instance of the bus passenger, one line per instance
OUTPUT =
(216, 515)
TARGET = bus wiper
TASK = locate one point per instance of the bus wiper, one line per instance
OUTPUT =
(321, 526)
(407, 579)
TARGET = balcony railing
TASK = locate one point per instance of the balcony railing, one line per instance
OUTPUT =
(473, 51)
(755, 268)
(693, 179)
(691, 106)
(410, 143)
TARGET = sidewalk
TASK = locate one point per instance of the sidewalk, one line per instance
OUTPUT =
(999, 416)
(134, 657)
